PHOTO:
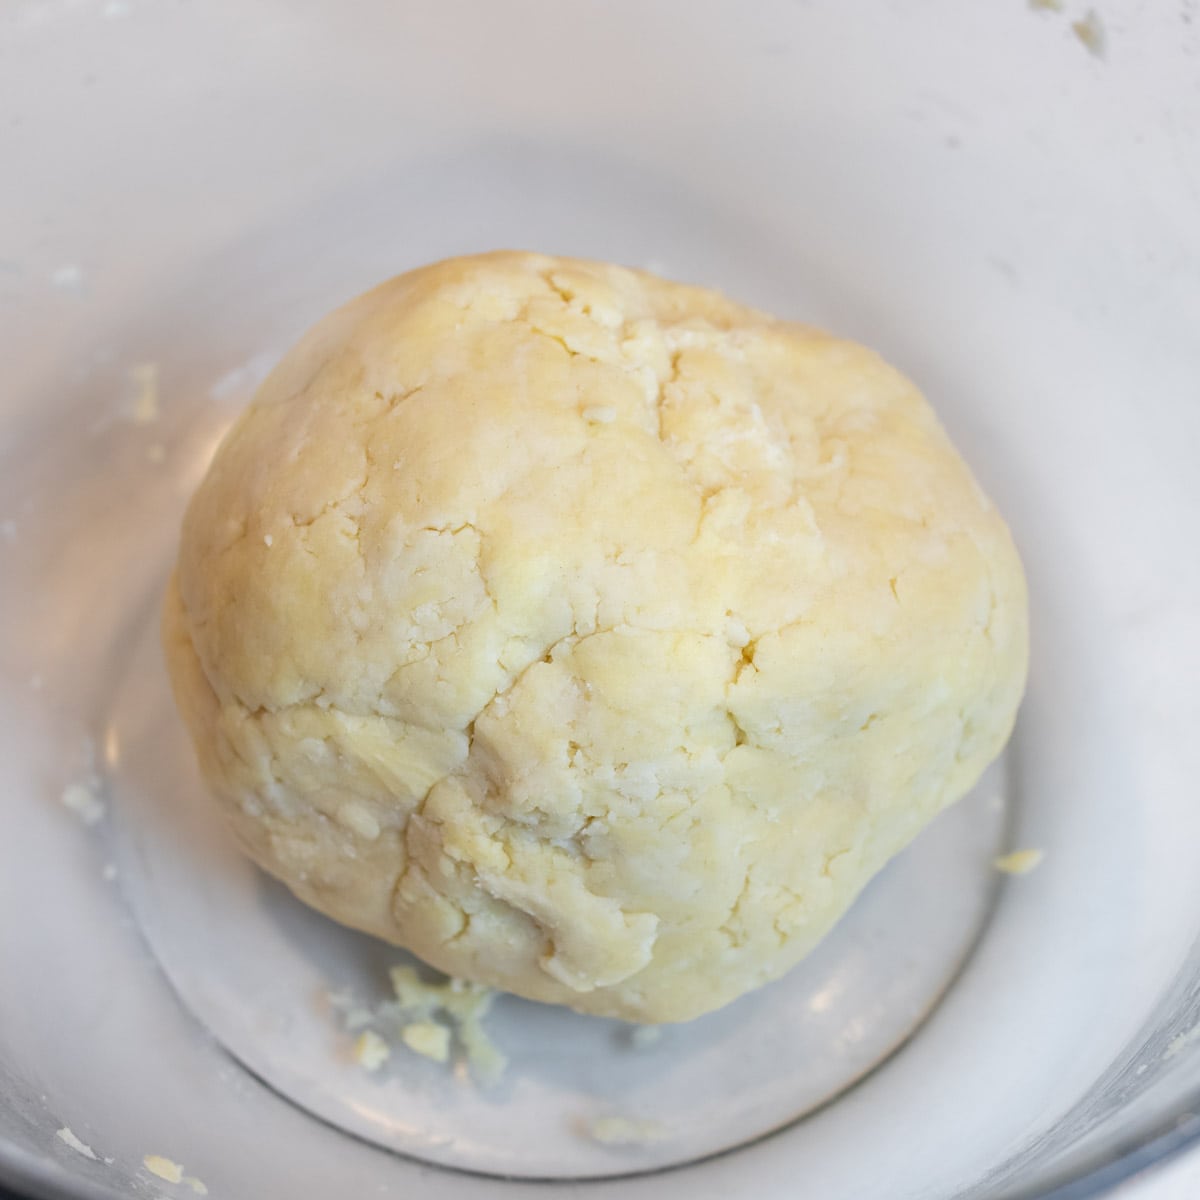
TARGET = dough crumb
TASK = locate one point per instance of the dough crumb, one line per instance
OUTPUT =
(626, 1131)
(371, 1051)
(412, 1018)
(144, 409)
(465, 1004)
(1019, 862)
(164, 1168)
(67, 1136)
(600, 414)
(196, 1185)
(645, 1035)
(427, 1038)
(1047, 5)
(81, 799)
(1180, 1042)
(268, 540)
(1090, 31)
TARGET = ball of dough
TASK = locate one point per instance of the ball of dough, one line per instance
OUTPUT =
(592, 636)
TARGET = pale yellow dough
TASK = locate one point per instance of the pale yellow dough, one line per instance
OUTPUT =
(592, 636)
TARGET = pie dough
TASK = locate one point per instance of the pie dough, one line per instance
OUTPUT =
(592, 636)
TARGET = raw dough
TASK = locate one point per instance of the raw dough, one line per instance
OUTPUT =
(593, 636)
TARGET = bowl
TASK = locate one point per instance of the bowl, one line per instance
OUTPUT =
(1003, 199)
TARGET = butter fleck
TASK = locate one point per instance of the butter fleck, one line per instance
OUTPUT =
(626, 1131)
(428, 1038)
(1019, 862)
(358, 819)
(164, 1168)
(1090, 31)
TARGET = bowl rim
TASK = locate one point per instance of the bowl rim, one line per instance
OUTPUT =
(31, 1176)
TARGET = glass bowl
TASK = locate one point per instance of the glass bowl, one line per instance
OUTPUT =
(1003, 199)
